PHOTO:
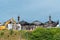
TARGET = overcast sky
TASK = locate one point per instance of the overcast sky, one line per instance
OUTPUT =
(30, 10)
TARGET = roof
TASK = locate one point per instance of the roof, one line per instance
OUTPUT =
(24, 23)
(37, 22)
(52, 24)
(9, 21)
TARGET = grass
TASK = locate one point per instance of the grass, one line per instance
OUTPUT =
(10, 35)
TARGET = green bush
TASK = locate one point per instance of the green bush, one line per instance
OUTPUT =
(45, 34)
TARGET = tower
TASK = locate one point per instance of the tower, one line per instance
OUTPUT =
(18, 24)
(49, 19)
(18, 19)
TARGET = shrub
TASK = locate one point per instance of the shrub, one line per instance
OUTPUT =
(45, 34)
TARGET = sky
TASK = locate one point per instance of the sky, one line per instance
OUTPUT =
(29, 10)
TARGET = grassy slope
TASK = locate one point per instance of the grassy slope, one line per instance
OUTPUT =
(10, 35)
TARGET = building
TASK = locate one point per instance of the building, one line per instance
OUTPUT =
(31, 26)
(51, 23)
(37, 23)
(27, 26)
(23, 25)
(12, 24)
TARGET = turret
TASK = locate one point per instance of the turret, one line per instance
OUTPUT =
(18, 19)
(49, 19)
(18, 25)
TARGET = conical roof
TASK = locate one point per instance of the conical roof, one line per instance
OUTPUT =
(36, 22)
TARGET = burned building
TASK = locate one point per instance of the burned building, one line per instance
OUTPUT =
(23, 25)
(51, 23)
(26, 26)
